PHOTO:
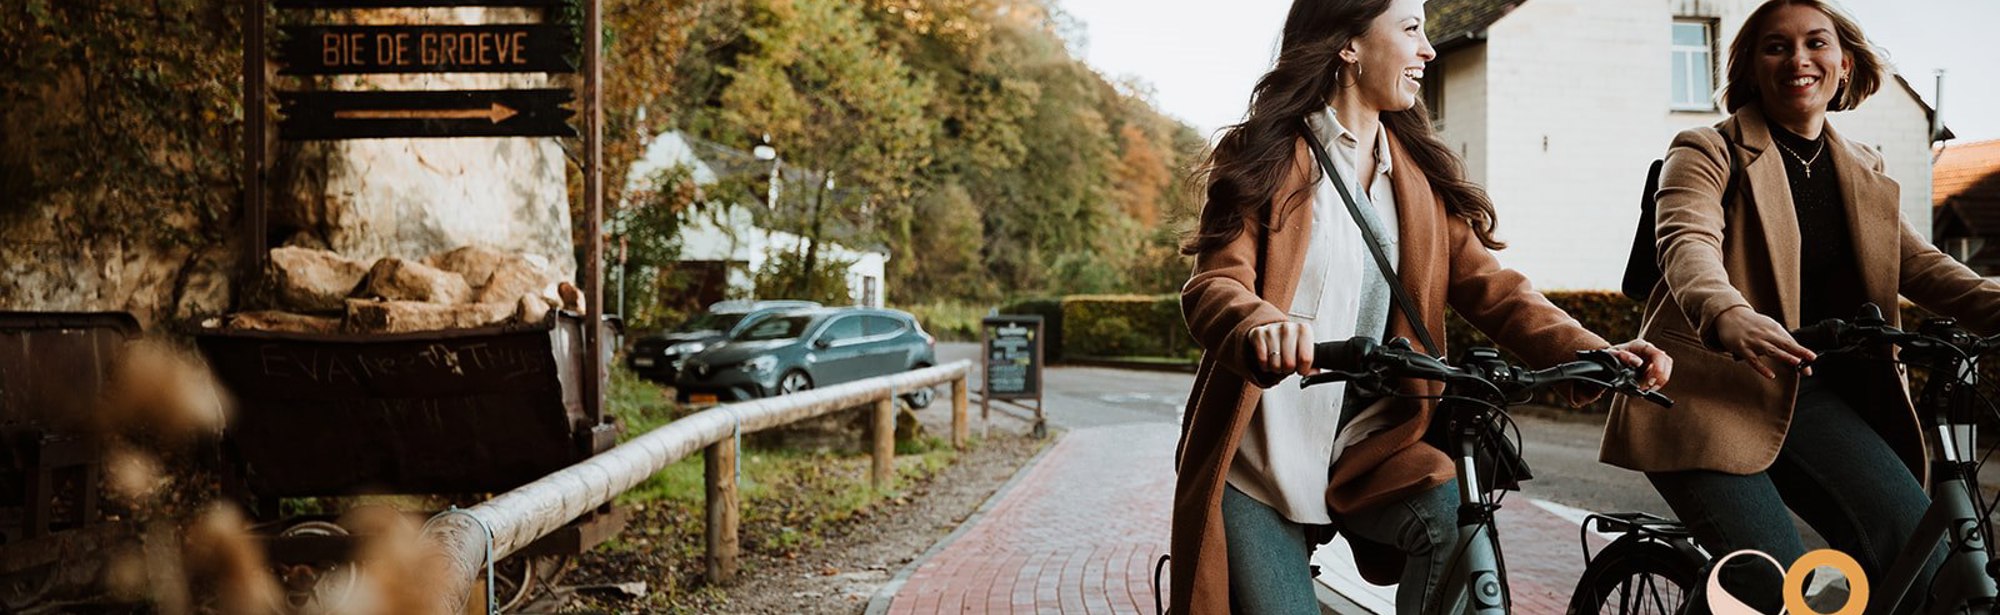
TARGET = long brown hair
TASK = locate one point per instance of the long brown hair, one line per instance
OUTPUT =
(1862, 81)
(1241, 176)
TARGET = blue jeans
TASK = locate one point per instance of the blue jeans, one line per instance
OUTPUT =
(1268, 554)
(1833, 470)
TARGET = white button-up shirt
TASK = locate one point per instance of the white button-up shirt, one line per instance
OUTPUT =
(1294, 436)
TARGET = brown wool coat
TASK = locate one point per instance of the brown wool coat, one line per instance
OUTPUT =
(1250, 282)
(1714, 258)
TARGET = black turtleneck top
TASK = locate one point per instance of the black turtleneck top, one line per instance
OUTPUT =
(1829, 271)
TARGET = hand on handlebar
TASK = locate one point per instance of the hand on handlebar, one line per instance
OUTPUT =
(1283, 348)
(1654, 365)
(1760, 341)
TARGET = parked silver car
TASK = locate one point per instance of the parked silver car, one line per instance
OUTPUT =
(797, 350)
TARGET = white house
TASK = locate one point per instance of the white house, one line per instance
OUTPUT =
(725, 240)
(1559, 106)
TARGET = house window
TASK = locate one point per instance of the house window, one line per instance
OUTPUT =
(1692, 81)
(1434, 90)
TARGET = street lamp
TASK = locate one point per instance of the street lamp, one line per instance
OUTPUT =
(764, 151)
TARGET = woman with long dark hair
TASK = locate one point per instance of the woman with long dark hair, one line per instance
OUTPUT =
(1266, 469)
(1808, 228)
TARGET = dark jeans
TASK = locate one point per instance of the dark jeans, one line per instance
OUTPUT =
(1834, 471)
(1268, 573)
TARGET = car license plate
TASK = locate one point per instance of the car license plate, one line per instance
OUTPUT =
(643, 361)
(702, 398)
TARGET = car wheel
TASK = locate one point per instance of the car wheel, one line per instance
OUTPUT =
(793, 382)
(921, 398)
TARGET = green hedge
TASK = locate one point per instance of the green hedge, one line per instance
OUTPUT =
(1104, 326)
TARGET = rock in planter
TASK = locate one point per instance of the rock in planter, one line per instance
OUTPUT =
(368, 316)
(286, 322)
(308, 280)
(513, 278)
(476, 264)
(395, 279)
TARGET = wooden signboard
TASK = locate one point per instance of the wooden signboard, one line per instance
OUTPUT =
(344, 50)
(1013, 348)
(428, 113)
(1011, 360)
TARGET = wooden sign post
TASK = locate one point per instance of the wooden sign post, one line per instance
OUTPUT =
(308, 51)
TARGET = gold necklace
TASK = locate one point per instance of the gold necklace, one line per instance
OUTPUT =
(1807, 162)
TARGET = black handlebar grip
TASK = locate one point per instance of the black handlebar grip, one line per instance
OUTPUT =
(1822, 336)
(1343, 355)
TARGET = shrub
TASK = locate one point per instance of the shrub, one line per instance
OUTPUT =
(1125, 326)
(949, 321)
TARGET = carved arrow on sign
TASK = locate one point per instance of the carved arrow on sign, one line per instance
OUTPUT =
(497, 113)
(425, 113)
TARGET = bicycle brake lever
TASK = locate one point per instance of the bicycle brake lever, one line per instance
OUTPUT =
(1656, 397)
(1334, 376)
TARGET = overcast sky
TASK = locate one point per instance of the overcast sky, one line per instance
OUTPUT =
(1202, 56)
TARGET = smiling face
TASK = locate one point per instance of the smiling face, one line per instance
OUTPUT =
(1386, 64)
(1799, 63)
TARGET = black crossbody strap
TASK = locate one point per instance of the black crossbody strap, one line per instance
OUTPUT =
(1374, 241)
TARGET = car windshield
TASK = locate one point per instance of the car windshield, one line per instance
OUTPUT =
(714, 321)
(776, 328)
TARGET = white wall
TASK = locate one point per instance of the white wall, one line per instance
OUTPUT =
(1463, 126)
(729, 233)
(1577, 107)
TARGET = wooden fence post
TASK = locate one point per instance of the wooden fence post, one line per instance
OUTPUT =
(885, 444)
(719, 465)
(961, 430)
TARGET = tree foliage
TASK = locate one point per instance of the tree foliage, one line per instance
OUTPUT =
(965, 125)
(121, 117)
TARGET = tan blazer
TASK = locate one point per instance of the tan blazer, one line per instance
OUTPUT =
(1716, 257)
(1250, 283)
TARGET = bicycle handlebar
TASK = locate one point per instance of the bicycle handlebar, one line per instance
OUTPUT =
(1361, 358)
(1868, 327)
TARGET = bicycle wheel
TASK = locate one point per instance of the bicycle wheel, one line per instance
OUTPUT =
(1636, 577)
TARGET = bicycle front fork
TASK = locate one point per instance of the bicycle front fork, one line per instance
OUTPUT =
(1475, 583)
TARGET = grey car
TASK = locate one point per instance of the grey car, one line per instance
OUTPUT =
(797, 350)
(659, 356)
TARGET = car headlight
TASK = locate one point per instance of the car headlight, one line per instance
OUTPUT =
(760, 364)
(685, 348)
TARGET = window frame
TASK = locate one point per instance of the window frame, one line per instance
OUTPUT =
(1708, 51)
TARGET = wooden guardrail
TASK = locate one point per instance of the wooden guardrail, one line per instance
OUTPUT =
(460, 545)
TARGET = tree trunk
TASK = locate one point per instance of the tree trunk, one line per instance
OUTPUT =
(805, 281)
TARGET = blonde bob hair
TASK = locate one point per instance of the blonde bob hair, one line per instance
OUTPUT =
(1862, 82)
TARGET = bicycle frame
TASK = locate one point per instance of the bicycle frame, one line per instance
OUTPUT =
(1475, 583)
(1966, 579)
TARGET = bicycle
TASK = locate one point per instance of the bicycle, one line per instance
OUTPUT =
(1653, 552)
(1477, 392)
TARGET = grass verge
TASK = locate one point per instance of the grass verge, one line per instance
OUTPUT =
(792, 502)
